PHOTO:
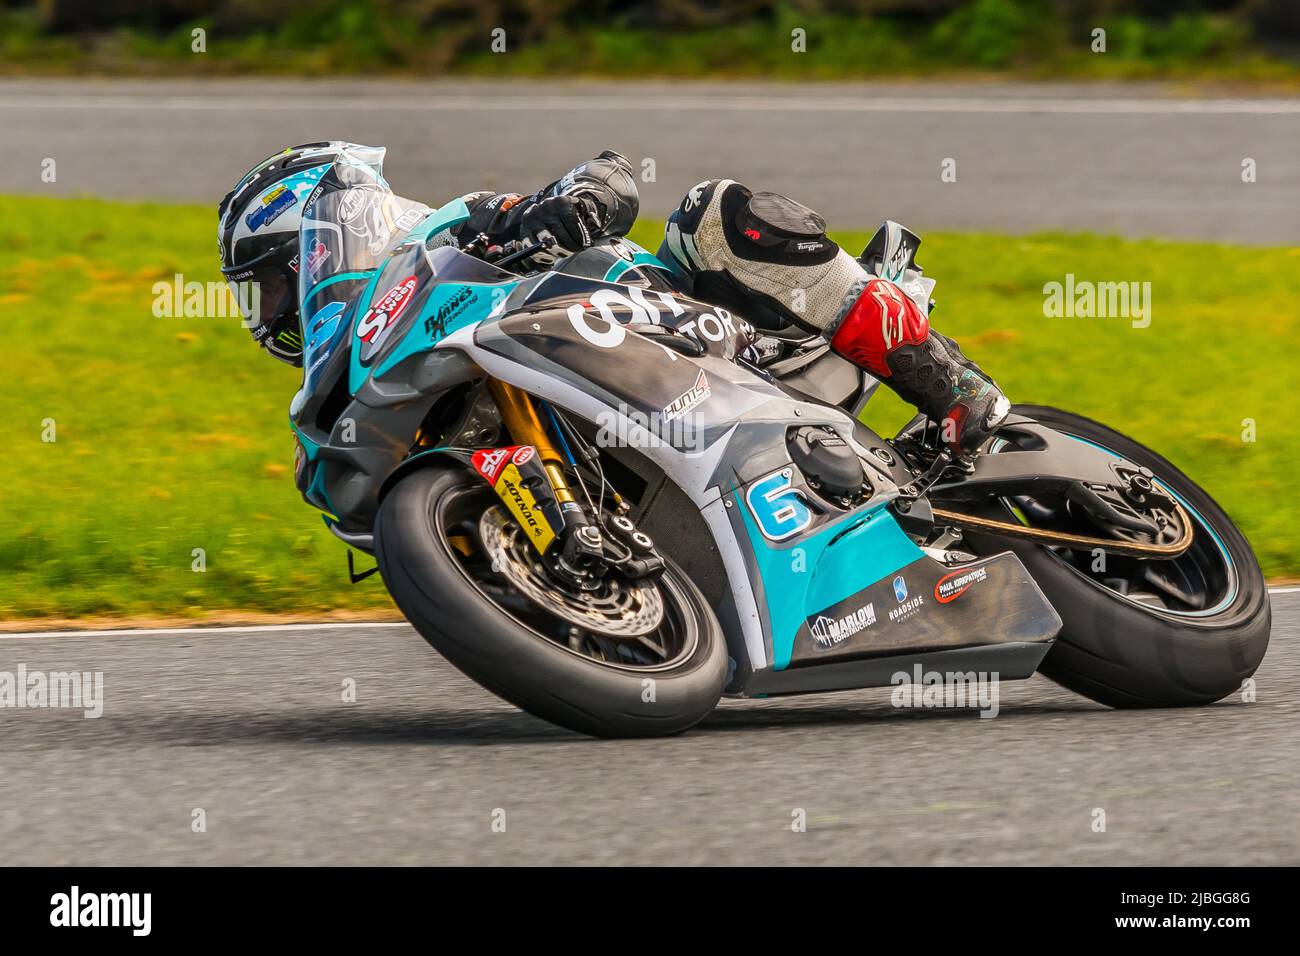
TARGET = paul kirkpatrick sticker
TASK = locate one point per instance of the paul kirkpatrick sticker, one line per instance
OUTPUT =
(952, 586)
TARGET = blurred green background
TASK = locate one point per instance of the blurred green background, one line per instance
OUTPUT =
(1253, 40)
(153, 459)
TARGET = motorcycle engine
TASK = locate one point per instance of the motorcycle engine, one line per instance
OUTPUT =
(829, 464)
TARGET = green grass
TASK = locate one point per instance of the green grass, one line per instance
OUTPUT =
(172, 435)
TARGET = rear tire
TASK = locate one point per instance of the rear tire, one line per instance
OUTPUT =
(1119, 653)
(517, 662)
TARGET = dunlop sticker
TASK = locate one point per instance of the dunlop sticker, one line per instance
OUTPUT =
(500, 467)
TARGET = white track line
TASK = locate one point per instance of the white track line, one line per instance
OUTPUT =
(264, 628)
(202, 631)
(866, 103)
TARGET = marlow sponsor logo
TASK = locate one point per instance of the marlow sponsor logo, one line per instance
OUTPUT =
(75, 908)
(829, 631)
(952, 586)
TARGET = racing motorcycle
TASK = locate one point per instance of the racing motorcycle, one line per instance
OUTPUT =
(610, 504)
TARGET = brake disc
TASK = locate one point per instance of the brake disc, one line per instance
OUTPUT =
(616, 609)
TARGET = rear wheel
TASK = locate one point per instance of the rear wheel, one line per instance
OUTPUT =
(1143, 632)
(627, 659)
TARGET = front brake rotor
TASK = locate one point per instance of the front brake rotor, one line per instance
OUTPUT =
(617, 609)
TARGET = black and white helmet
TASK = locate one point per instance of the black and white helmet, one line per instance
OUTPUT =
(258, 235)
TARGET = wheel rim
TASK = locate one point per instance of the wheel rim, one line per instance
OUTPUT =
(457, 515)
(1199, 583)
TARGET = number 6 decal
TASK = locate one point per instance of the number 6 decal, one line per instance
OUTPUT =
(778, 506)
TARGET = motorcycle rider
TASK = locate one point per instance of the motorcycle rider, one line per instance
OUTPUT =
(761, 254)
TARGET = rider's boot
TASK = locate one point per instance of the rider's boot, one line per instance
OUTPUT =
(769, 258)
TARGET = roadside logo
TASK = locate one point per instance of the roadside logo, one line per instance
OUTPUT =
(952, 586)
(907, 606)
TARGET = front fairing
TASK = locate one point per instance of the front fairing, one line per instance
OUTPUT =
(346, 236)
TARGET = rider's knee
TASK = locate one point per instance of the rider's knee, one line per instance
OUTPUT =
(760, 253)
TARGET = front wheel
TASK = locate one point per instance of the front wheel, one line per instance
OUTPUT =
(1143, 633)
(632, 659)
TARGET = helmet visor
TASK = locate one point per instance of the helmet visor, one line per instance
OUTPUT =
(264, 294)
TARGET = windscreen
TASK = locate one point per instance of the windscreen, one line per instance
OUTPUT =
(350, 229)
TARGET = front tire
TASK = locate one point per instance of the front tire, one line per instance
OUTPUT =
(520, 660)
(1130, 653)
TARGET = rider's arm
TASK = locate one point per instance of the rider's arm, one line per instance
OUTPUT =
(594, 199)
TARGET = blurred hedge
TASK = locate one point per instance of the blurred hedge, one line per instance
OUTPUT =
(535, 17)
(845, 38)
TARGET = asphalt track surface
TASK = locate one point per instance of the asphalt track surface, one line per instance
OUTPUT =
(1136, 160)
(250, 727)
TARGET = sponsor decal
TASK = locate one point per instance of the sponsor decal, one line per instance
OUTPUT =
(778, 506)
(500, 468)
(322, 325)
(827, 632)
(386, 311)
(353, 202)
(694, 196)
(316, 257)
(898, 261)
(489, 463)
(808, 246)
(435, 325)
(290, 339)
(697, 394)
(892, 312)
(952, 586)
(274, 203)
(408, 221)
(907, 607)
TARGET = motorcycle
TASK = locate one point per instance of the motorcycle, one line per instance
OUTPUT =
(611, 505)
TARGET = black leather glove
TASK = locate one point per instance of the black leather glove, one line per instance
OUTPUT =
(569, 219)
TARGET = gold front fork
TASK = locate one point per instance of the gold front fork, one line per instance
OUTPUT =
(525, 427)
